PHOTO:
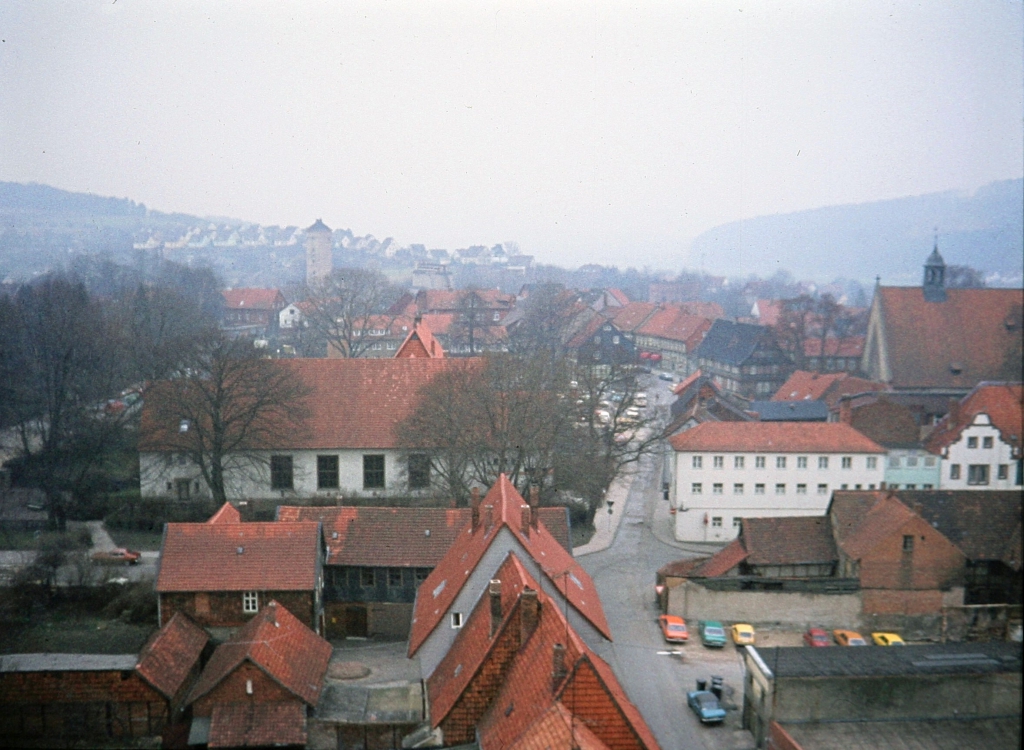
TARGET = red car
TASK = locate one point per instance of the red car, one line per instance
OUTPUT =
(816, 637)
(674, 629)
(117, 556)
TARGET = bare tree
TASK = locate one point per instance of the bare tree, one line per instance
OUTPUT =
(224, 411)
(795, 326)
(343, 308)
(964, 277)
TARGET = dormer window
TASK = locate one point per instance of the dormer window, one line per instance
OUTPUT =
(183, 425)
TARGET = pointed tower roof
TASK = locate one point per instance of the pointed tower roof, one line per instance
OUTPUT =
(318, 226)
(935, 277)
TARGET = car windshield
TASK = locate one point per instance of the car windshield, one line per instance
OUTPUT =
(897, 643)
(707, 700)
(714, 631)
(857, 642)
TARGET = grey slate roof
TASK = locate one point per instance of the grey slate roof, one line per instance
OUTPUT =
(731, 343)
(67, 662)
(790, 411)
(983, 524)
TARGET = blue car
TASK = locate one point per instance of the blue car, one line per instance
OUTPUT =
(706, 706)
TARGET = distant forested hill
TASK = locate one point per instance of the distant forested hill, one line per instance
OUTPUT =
(15, 198)
(889, 238)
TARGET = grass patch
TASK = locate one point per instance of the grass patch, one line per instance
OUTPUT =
(581, 534)
(137, 540)
(82, 635)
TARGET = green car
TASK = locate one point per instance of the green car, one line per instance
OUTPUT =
(712, 634)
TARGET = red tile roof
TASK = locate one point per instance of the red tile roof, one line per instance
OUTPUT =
(633, 315)
(503, 506)
(969, 330)
(686, 383)
(170, 654)
(788, 540)
(420, 343)
(257, 725)
(228, 513)
(1002, 402)
(206, 557)
(253, 299)
(828, 387)
(775, 437)
(673, 323)
(558, 729)
(849, 346)
(375, 395)
(278, 644)
(883, 519)
(721, 562)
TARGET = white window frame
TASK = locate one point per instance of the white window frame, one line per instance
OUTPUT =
(250, 602)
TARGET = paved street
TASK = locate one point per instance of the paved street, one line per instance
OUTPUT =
(628, 548)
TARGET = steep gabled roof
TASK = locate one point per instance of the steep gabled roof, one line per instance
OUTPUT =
(399, 537)
(673, 323)
(803, 385)
(278, 644)
(958, 342)
(721, 562)
(420, 343)
(170, 654)
(227, 513)
(239, 557)
(788, 540)
(848, 346)
(774, 437)
(885, 517)
(253, 299)
(1002, 402)
(633, 315)
(502, 509)
(983, 524)
(733, 343)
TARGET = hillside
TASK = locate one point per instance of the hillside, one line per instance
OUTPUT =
(889, 238)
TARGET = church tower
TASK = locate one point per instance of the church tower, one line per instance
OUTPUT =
(935, 277)
(319, 260)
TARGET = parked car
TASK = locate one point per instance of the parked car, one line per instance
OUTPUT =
(712, 634)
(816, 637)
(742, 634)
(849, 638)
(673, 629)
(705, 704)
(117, 556)
(666, 376)
(887, 639)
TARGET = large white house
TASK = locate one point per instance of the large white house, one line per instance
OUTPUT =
(350, 444)
(725, 471)
(979, 441)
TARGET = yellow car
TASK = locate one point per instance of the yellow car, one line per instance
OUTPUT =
(887, 639)
(742, 634)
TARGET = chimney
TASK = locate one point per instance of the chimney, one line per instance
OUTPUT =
(558, 670)
(488, 517)
(845, 411)
(525, 526)
(494, 590)
(474, 504)
(529, 614)
(534, 503)
(954, 412)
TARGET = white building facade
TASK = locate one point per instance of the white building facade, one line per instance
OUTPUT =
(980, 459)
(725, 471)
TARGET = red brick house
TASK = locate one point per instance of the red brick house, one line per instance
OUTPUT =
(519, 676)
(255, 309)
(222, 572)
(261, 684)
(377, 557)
(69, 698)
(501, 523)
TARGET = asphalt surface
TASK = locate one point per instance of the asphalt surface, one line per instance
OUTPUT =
(629, 545)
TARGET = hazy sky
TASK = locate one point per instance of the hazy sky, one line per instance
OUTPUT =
(584, 131)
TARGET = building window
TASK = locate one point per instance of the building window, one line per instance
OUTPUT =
(801, 462)
(986, 442)
(250, 602)
(911, 487)
(698, 462)
(421, 575)
(367, 577)
(456, 620)
(911, 461)
(326, 472)
(780, 489)
(844, 486)
(183, 488)
(972, 442)
(894, 462)
(394, 577)
(822, 462)
(908, 543)
(759, 489)
(780, 462)
(759, 462)
(872, 462)
(719, 462)
(716, 488)
(281, 475)
(737, 489)
(954, 471)
(716, 522)
(736, 522)
(822, 489)
(929, 461)
(696, 488)
(373, 472)
(977, 474)
(419, 471)
(927, 487)
(847, 462)
(801, 489)
(737, 462)
(1003, 472)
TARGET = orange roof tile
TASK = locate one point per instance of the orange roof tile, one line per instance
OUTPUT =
(253, 299)
(277, 724)
(1002, 402)
(633, 315)
(774, 437)
(228, 513)
(558, 729)
(883, 519)
(828, 387)
(849, 346)
(974, 330)
(503, 505)
(722, 561)
(171, 653)
(673, 323)
(282, 647)
(420, 343)
(239, 557)
(788, 540)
